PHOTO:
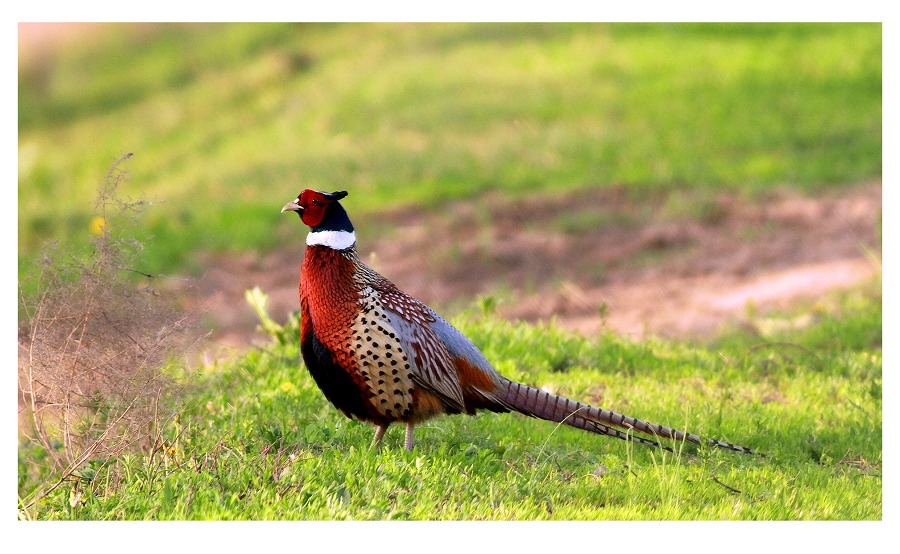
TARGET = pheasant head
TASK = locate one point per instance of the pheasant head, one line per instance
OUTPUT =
(328, 221)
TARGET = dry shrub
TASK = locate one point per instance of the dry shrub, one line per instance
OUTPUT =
(97, 347)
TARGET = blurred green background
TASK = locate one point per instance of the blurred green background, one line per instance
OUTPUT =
(229, 121)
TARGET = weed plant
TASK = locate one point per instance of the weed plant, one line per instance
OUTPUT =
(97, 353)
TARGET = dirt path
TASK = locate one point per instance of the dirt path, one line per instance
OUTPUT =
(565, 257)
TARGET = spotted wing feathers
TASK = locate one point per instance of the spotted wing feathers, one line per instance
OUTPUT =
(430, 363)
(382, 358)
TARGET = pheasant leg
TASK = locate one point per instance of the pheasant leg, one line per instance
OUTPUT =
(379, 434)
(409, 437)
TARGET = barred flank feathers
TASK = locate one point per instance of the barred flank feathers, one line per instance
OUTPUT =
(544, 405)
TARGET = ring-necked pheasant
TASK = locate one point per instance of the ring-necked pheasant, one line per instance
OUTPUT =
(381, 356)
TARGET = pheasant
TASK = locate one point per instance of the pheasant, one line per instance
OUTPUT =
(381, 356)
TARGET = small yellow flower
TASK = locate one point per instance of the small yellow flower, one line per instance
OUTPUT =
(97, 225)
(210, 407)
(287, 386)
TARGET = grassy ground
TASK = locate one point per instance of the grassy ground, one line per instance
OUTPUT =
(228, 121)
(257, 440)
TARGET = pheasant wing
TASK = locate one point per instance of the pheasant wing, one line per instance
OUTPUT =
(432, 365)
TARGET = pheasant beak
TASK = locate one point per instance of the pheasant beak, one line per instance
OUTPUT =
(292, 206)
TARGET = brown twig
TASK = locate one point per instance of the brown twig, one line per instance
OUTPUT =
(716, 480)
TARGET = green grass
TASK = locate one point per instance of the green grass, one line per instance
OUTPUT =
(229, 121)
(257, 440)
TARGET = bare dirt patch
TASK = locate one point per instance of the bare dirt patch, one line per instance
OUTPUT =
(657, 267)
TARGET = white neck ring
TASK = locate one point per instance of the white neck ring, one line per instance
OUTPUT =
(339, 240)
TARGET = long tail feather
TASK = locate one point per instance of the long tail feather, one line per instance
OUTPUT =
(544, 405)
